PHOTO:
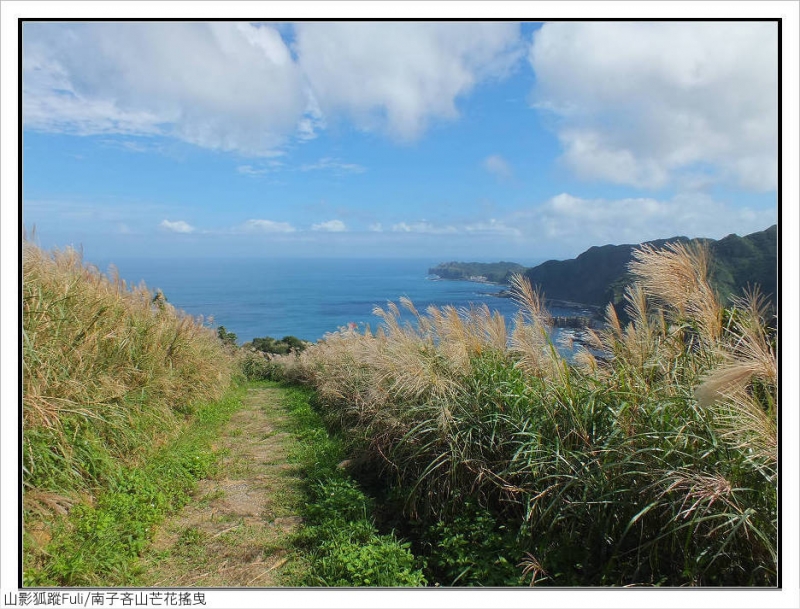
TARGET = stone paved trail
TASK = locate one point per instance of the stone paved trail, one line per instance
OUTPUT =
(235, 531)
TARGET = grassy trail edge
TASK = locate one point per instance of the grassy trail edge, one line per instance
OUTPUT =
(338, 536)
(99, 544)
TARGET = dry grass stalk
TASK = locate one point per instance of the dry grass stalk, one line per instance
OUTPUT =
(745, 357)
(530, 338)
(677, 276)
(748, 427)
(700, 492)
(533, 567)
(92, 345)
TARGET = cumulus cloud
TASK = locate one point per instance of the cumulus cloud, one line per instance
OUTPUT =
(267, 226)
(179, 226)
(227, 86)
(584, 222)
(639, 102)
(331, 226)
(397, 77)
(377, 227)
(497, 166)
(237, 86)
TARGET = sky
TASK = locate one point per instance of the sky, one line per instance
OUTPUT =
(452, 140)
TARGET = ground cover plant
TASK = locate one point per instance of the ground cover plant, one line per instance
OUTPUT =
(339, 537)
(650, 458)
(112, 374)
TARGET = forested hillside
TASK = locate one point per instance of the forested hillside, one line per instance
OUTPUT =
(599, 275)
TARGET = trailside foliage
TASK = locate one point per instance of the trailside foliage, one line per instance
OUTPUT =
(648, 459)
(109, 373)
(274, 346)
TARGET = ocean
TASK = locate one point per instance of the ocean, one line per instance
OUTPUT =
(306, 298)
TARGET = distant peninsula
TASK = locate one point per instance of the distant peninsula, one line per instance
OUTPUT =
(482, 272)
(599, 275)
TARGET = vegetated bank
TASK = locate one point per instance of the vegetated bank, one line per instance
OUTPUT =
(124, 398)
(339, 537)
(120, 394)
(651, 459)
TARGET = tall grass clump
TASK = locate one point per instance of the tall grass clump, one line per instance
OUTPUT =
(647, 458)
(109, 372)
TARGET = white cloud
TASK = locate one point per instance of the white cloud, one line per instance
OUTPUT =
(236, 86)
(423, 227)
(566, 219)
(498, 167)
(267, 226)
(268, 166)
(249, 170)
(179, 226)
(313, 120)
(376, 228)
(487, 227)
(228, 86)
(396, 77)
(334, 165)
(331, 226)
(492, 226)
(639, 102)
(139, 146)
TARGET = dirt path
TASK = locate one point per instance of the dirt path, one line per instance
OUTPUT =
(235, 531)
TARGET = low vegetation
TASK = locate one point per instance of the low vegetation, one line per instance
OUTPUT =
(99, 541)
(650, 459)
(339, 536)
(451, 450)
(112, 374)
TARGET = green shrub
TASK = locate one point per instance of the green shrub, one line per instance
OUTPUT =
(353, 554)
(472, 549)
(257, 367)
(228, 338)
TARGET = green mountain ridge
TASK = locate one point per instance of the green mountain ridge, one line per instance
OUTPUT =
(599, 275)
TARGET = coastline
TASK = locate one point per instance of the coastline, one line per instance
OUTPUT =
(585, 315)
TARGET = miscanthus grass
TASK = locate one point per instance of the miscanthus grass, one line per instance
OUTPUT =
(649, 458)
(110, 372)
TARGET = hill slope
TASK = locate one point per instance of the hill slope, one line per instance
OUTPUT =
(599, 275)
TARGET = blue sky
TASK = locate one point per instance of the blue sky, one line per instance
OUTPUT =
(480, 140)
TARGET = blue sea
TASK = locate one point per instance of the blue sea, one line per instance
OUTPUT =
(306, 298)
